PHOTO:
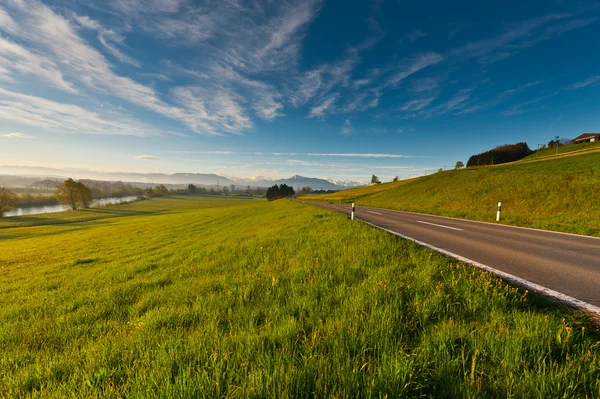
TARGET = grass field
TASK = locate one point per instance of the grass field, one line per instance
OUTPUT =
(556, 194)
(191, 297)
(565, 149)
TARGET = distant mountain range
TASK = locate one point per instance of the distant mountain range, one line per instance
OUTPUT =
(202, 179)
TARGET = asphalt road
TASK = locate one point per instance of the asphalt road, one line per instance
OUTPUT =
(569, 264)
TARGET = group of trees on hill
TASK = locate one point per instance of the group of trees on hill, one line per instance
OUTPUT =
(281, 191)
(501, 154)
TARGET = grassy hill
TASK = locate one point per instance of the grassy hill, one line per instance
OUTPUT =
(565, 149)
(557, 194)
(201, 297)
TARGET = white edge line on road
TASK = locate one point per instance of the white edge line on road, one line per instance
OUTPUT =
(376, 213)
(559, 297)
(439, 225)
(493, 224)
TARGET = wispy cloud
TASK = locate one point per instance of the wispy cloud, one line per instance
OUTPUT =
(325, 107)
(17, 61)
(68, 118)
(18, 136)
(415, 35)
(592, 80)
(358, 155)
(521, 36)
(147, 158)
(413, 66)
(107, 37)
(347, 129)
(417, 105)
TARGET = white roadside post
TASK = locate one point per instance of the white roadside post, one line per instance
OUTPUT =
(352, 217)
(498, 213)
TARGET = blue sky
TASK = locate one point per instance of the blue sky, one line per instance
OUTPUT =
(338, 89)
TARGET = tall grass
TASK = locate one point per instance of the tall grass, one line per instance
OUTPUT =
(272, 299)
(557, 194)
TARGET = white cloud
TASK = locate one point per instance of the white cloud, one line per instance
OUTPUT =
(360, 155)
(326, 106)
(18, 135)
(417, 105)
(520, 36)
(413, 66)
(147, 157)
(212, 111)
(105, 36)
(347, 129)
(415, 35)
(588, 82)
(68, 118)
(15, 60)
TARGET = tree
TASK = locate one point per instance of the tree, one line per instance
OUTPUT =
(8, 200)
(85, 194)
(191, 189)
(281, 191)
(305, 190)
(68, 193)
(232, 188)
(161, 190)
(375, 180)
(395, 178)
(459, 164)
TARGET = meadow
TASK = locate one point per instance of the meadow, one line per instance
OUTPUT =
(199, 297)
(555, 194)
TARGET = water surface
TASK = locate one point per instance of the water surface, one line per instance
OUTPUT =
(36, 210)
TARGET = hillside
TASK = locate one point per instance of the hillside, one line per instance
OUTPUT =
(202, 297)
(557, 194)
(564, 149)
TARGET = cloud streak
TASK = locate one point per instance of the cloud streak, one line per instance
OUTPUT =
(147, 158)
(18, 136)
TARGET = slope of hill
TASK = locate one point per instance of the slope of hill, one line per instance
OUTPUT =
(564, 149)
(557, 194)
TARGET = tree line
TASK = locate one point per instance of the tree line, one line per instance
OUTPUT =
(501, 154)
(281, 191)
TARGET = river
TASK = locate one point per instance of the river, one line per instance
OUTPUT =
(35, 210)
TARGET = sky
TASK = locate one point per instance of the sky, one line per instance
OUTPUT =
(333, 89)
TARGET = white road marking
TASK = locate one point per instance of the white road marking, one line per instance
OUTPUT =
(377, 213)
(440, 225)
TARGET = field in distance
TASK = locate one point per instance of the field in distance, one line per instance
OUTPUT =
(554, 194)
(197, 297)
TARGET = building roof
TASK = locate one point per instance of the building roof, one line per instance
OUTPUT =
(586, 135)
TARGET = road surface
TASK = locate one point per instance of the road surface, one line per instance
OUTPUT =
(569, 264)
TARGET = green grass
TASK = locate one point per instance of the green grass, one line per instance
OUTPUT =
(168, 204)
(269, 299)
(565, 149)
(556, 194)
